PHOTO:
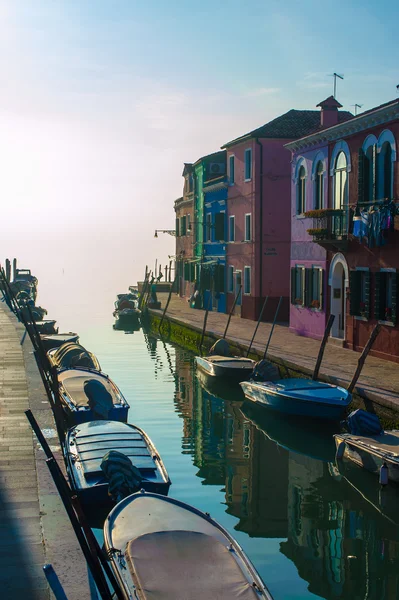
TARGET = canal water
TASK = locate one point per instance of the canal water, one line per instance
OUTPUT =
(313, 530)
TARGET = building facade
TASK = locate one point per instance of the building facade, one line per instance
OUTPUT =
(184, 209)
(355, 226)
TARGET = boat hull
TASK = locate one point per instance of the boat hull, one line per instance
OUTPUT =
(285, 403)
(370, 458)
(226, 369)
(57, 340)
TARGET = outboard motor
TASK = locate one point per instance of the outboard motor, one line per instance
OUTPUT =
(265, 371)
(123, 477)
(361, 422)
(100, 400)
(220, 348)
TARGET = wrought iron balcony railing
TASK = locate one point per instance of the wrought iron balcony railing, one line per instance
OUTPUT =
(330, 226)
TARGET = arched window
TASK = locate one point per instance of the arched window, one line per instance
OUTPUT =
(386, 171)
(340, 182)
(370, 174)
(319, 192)
(300, 191)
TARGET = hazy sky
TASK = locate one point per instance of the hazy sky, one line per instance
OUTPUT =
(103, 100)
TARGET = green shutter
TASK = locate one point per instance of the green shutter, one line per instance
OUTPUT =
(293, 279)
(192, 271)
(321, 287)
(366, 278)
(177, 226)
(219, 226)
(354, 285)
(374, 190)
(187, 271)
(360, 176)
(394, 298)
(378, 287)
(308, 292)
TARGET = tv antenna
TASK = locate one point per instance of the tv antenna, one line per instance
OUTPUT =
(356, 106)
(336, 76)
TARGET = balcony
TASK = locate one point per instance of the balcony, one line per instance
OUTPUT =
(330, 227)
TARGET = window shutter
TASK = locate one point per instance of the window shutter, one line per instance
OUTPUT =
(367, 294)
(395, 298)
(378, 295)
(177, 227)
(321, 287)
(219, 226)
(308, 292)
(360, 176)
(192, 271)
(374, 190)
(293, 278)
(187, 271)
(354, 284)
(219, 278)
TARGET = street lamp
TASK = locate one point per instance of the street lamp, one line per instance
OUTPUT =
(169, 231)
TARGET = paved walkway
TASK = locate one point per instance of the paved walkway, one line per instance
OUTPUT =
(379, 380)
(34, 527)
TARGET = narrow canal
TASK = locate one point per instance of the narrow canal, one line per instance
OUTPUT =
(311, 530)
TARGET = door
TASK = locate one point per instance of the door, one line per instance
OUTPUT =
(238, 283)
(338, 301)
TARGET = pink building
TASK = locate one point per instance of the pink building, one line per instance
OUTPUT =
(259, 213)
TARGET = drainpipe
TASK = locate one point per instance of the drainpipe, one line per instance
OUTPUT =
(260, 217)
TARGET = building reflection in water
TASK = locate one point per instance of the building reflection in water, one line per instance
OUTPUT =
(338, 542)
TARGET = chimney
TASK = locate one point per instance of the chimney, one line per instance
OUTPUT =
(329, 112)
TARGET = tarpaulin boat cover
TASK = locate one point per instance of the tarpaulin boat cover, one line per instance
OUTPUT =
(100, 400)
(185, 565)
(123, 477)
(74, 384)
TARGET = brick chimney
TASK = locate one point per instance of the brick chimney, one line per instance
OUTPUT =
(329, 112)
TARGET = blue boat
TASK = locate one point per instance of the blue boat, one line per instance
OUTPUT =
(87, 444)
(303, 397)
(88, 395)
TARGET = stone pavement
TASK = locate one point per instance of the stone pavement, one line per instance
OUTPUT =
(34, 528)
(379, 381)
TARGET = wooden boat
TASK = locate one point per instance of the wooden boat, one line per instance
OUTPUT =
(236, 367)
(57, 339)
(47, 326)
(127, 316)
(371, 452)
(300, 397)
(162, 548)
(88, 443)
(104, 400)
(72, 355)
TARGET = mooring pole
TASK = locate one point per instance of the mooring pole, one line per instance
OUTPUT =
(232, 310)
(363, 357)
(166, 306)
(205, 320)
(322, 346)
(257, 325)
(272, 329)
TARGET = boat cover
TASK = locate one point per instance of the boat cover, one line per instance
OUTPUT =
(185, 565)
(74, 382)
(307, 389)
(74, 355)
(234, 359)
(123, 477)
(387, 443)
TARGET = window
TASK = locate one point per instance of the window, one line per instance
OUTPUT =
(232, 229)
(314, 287)
(183, 225)
(190, 183)
(248, 163)
(340, 182)
(385, 171)
(359, 284)
(219, 226)
(219, 279)
(230, 280)
(385, 296)
(298, 285)
(177, 227)
(231, 170)
(369, 174)
(248, 230)
(300, 192)
(188, 224)
(247, 280)
(208, 227)
(319, 191)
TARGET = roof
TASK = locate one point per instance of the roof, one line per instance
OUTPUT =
(220, 154)
(292, 125)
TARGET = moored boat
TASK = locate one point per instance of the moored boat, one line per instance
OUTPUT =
(72, 355)
(88, 443)
(47, 326)
(57, 339)
(300, 397)
(236, 367)
(87, 395)
(371, 452)
(163, 548)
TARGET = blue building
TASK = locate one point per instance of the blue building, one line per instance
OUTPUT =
(213, 271)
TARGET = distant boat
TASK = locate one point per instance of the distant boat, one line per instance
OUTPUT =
(46, 327)
(303, 397)
(72, 355)
(87, 395)
(371, 452)
(162, 548)
(88, 443)
(57, 339)
(236, 367)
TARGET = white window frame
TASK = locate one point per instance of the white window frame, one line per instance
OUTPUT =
(247, 151)
(230, 279)
(247, 269)
(232, 219)
(232, 159)
(246, 238)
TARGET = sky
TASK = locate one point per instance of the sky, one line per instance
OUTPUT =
(101, 103)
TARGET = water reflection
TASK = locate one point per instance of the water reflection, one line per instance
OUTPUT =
(276, 477)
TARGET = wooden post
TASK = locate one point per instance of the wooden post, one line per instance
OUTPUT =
(257, 325)
(272, 329)
(205, 320)
(231, 311)
(166, 306)
(322, 347)
(363, 357)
